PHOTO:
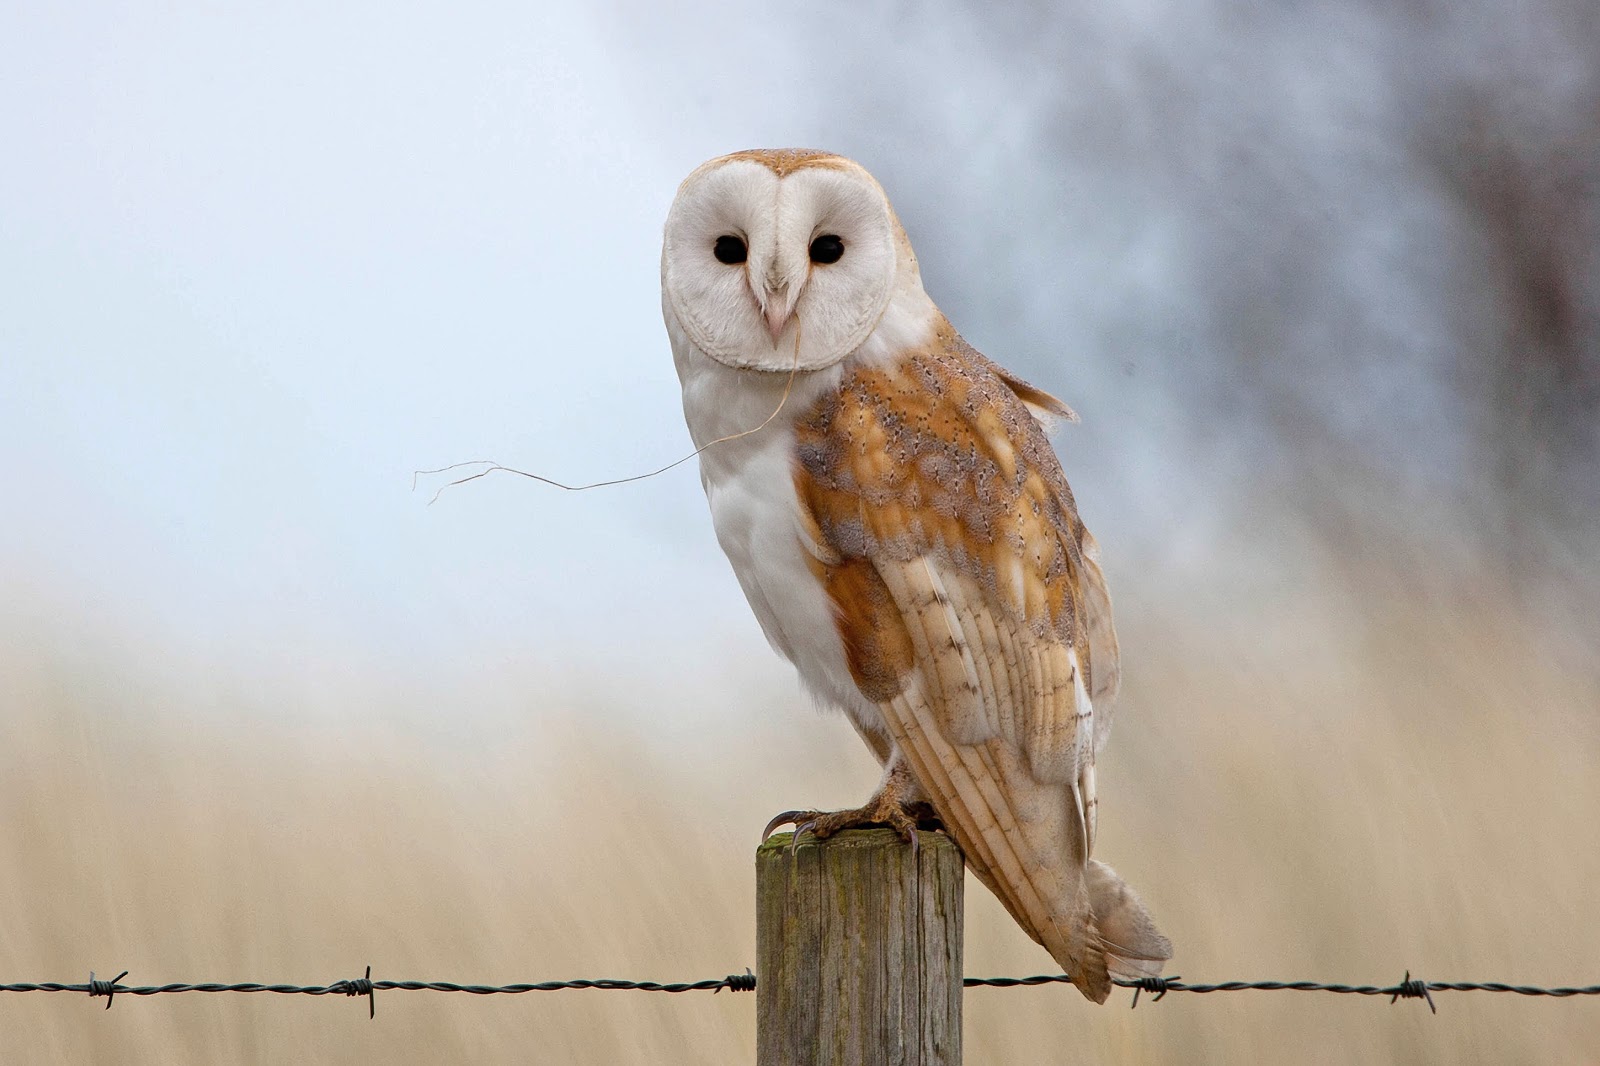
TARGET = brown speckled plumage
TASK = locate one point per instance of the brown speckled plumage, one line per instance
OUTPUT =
(940, 456)
(968, 598)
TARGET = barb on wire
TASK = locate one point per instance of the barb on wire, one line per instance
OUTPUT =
(1409, 989)
(362, 986)
(1158, 987)
(104, 988)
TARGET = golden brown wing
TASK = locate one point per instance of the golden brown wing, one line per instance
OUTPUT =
(950, 547)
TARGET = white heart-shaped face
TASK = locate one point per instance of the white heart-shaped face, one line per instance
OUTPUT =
(758, 260)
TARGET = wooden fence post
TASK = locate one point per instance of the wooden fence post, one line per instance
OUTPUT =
(858, 951)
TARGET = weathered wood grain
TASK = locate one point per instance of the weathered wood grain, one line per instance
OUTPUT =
(858, 951)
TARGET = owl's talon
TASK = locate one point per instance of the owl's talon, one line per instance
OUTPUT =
(886, 808)
(800, 831)
(786, 818)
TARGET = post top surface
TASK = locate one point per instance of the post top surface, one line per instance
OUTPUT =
(927, 839)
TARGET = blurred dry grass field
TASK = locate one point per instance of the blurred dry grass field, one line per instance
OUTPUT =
(1411, 783)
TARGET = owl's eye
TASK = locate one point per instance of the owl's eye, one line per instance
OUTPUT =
(826, 249)
(730, 249)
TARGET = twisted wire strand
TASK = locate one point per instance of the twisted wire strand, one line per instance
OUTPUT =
(366, 986)
(1408, 988)
(1158, 987)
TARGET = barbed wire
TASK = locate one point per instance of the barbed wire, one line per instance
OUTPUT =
(366, 986)
(1159, 987)
(1408, 988)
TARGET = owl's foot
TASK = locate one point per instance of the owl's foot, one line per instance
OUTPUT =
(888, 807)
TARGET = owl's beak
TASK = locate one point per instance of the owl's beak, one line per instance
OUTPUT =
(779, 312)
(776, 290)
(777, 297)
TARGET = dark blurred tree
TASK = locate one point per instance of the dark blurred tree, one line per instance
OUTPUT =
(1530, 186)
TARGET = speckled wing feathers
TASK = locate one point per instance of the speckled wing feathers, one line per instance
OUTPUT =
(973, 612)
(936, 463)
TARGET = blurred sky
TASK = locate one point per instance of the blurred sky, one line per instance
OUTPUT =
(260, 262)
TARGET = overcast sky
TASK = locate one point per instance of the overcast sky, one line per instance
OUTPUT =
(258, 263)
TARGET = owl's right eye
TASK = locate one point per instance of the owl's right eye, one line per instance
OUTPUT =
(730, 249)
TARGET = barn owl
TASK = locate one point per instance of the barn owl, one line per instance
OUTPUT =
(904, 534)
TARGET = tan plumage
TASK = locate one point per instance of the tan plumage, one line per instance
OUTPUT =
(972, 629)
(925, 568)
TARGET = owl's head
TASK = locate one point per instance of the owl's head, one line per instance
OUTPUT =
(762, 244)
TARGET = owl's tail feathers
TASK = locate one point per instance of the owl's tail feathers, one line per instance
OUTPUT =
(1133, 946)
(1111, 937)
(1078, 951)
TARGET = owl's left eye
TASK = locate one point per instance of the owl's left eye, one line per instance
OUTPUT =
(730, 249)
(827, 249)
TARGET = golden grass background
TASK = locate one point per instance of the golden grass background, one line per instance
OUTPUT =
(1338, 784)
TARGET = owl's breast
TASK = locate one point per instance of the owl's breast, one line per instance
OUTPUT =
(755, 509)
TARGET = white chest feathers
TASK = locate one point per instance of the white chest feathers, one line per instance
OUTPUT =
(750, 485)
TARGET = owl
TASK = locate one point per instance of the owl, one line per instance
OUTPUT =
(905, 536)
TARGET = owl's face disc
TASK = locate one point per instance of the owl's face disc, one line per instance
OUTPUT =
(776, 260)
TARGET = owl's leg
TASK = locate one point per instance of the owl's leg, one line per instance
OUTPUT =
(899, 804)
